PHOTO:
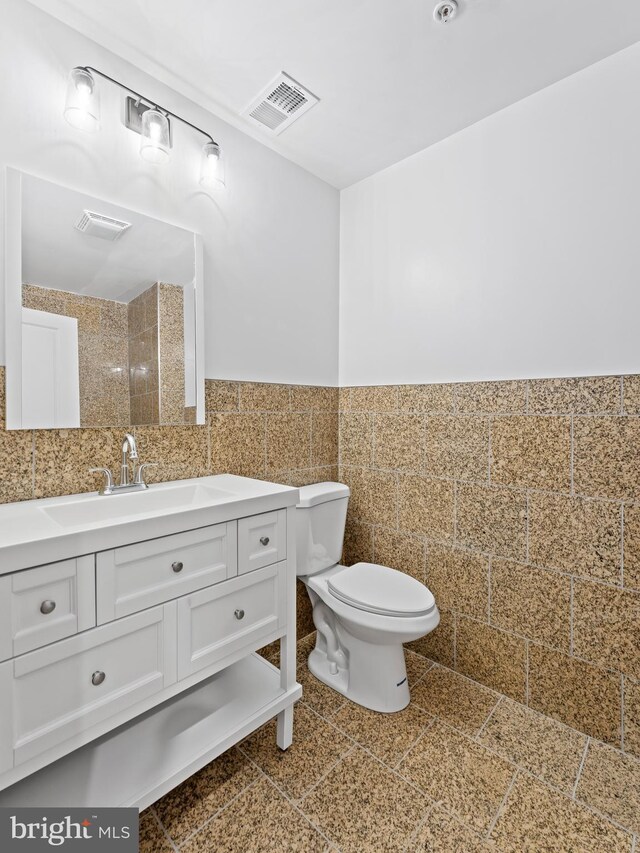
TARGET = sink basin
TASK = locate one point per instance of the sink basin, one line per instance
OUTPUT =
(120, 507)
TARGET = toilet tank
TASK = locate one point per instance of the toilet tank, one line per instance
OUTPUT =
(321, 515)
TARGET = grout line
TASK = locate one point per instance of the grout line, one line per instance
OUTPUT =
(501, 806)
(491, 713)
(216, 813)
(571, 585)
(409, 846)
(489, 580)
(163, 829)
(622, 544)
(574, 790)
(294, 803)
(526, 528)
(426, 728)
(454, 616)
(623, 687)
(372, 755)
(605, 817)
(455, 512)
(571, 457)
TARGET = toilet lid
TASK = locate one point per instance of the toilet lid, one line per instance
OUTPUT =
(379, 589)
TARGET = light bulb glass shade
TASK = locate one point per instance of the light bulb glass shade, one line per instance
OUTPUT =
(211, 166)
(82, 107)
(155, 142)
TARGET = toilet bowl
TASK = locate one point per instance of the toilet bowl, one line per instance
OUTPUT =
(363, 613)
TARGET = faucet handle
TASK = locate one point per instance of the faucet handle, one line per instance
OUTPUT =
(108, 479)
(138, 476)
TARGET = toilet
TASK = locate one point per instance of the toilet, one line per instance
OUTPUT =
(363, 613)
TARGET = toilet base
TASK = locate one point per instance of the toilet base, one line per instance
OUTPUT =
(375, 676)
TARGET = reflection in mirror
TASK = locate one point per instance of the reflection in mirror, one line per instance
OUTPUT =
(108, 313)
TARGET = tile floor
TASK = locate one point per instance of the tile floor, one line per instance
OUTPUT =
(461, 770)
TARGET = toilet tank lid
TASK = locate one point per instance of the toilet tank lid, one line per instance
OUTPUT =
(320, 493)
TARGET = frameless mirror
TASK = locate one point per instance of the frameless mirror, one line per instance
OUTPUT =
(103, 314)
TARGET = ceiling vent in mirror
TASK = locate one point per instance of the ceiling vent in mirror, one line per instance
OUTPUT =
(98, 225)
(280, 104)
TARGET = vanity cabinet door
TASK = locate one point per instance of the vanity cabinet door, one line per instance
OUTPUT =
(43, 605)
(238, 615)
(262, 540)
(62, 690)
(135, 577)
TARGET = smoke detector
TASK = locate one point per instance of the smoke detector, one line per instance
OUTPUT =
(281, 103)
(445, 11)
(98, 225)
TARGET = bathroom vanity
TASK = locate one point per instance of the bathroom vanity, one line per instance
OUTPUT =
(129, 626)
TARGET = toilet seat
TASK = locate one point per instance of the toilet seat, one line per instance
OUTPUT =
(379, 589)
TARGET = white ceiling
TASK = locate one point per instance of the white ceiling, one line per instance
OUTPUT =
(56, 255)
(391, 81)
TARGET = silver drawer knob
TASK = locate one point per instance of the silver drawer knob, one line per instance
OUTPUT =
(47, 606)
(97, 678)
(239, 614)
(264, 540)
(177, 566)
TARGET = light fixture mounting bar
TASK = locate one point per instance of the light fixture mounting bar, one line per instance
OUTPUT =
(141, 99)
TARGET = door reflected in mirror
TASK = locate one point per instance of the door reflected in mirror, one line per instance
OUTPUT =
(107, 314)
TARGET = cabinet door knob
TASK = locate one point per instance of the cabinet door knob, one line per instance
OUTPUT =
(264, 540)
(47, 606)
(177, 566)
(97, 678)
(239, 614)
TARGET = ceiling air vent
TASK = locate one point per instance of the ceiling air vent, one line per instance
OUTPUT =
(280, 104)
(98, 225)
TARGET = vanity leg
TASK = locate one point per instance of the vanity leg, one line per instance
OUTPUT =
(284, 737)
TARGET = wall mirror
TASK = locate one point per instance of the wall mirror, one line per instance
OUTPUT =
(103, 312)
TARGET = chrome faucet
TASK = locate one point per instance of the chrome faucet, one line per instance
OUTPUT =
(129, 451)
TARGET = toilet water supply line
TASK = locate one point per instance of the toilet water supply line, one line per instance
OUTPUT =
(323, 620)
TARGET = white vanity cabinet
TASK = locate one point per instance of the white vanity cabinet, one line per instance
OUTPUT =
(104, 654)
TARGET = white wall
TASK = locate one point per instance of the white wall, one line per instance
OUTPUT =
(511, 249)
(270, 237)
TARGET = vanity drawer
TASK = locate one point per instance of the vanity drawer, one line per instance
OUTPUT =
(217, 622)
(262, 540)
(43, 605)
(138, 576)
(61, 691)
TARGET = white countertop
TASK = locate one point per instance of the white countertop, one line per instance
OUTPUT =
(43, 531)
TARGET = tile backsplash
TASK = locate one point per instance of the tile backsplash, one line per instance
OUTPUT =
(518, 503)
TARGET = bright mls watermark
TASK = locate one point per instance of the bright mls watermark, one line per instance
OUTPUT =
(32, 829)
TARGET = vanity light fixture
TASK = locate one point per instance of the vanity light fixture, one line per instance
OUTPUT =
(211, 165)
(151, 121)
(82, 107)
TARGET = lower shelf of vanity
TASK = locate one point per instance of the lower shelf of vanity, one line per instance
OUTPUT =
(142, 760)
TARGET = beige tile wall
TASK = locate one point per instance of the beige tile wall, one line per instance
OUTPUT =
(517, 502)
(519, 505)
(171, 353)
(280, 432)
(102, 351)
(144, 368)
